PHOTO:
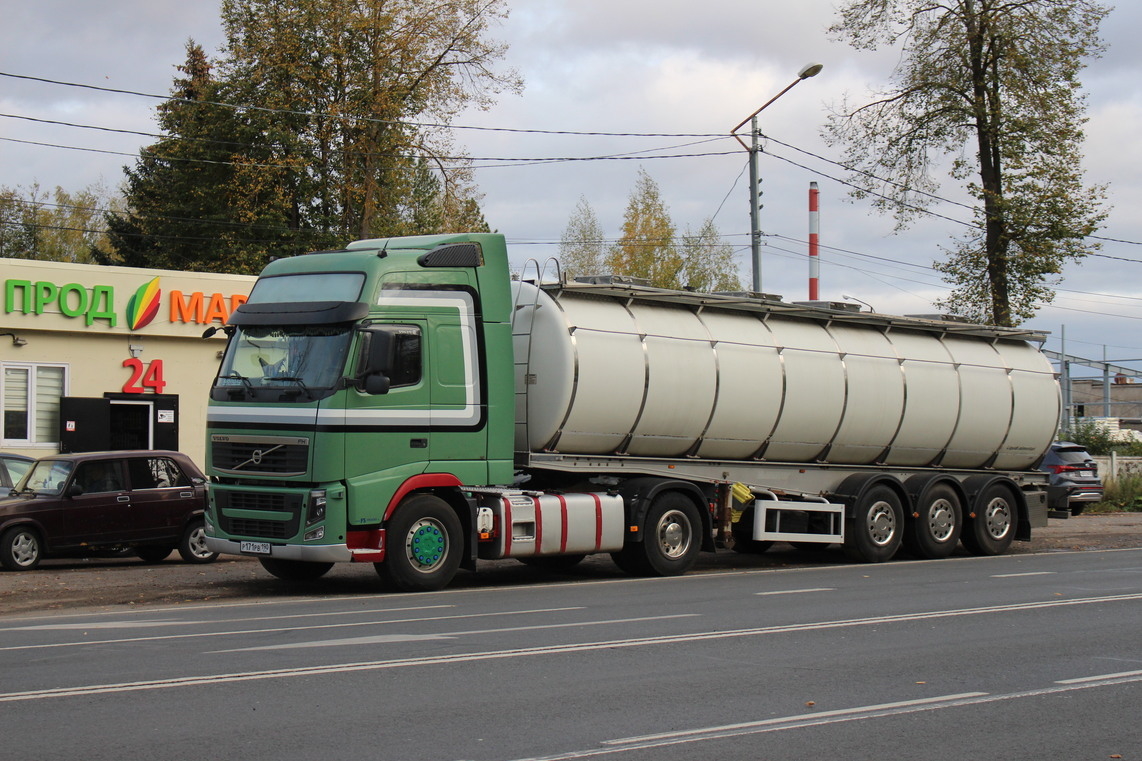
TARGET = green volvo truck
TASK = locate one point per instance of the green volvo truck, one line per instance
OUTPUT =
(407, 402)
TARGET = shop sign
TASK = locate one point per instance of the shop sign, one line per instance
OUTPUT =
(75, 300)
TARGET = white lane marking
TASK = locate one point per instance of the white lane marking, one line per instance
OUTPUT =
(127, 624)
(1016, 575)
(456, 635)
(795, 591)
(345, 668)
(1125, 675)
(226, 633)
(803, 721)
(816, 717)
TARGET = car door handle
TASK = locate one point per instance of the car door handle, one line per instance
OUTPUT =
(123, 498)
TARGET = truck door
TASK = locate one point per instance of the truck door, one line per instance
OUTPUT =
(391, 429)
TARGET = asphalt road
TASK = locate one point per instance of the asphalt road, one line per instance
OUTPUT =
(109, 583)
(1031, 655)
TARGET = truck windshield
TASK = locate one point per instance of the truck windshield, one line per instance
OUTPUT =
(279, 362)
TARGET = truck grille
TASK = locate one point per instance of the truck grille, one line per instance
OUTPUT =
(259, 528)
(259, 455)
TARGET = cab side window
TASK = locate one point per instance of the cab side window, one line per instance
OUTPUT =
(155, 473)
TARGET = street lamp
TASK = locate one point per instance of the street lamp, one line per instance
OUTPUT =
(811, 70)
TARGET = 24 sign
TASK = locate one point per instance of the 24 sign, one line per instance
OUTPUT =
(144, 376)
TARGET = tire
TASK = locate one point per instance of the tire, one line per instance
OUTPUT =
(671, 539)
(152, 554)
(424, 545)
(1077, 509)
(874, 529)
(935, 531)
(742, 532)
(295, 570)
(553, 563)
(192, 546)
(996, 518)
(21, 549)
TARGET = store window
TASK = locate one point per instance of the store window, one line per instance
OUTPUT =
(29, 398)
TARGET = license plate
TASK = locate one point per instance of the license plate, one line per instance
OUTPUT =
(256, 548)
(1086, 474)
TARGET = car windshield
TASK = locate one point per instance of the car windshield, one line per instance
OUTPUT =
(308, 360)
(47, 477)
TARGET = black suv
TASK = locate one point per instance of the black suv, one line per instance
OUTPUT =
(1074, 477)
(145, 501)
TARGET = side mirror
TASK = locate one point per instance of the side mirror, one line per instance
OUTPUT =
(74, 489)
(377, 384)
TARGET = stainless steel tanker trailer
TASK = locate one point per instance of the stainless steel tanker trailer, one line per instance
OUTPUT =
(648, 424)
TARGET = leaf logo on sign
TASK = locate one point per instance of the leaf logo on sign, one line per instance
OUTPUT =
(144, 305)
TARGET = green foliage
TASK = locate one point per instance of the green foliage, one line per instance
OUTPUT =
(646, 248)
(993, 88)
(649, 247)
(581, 248)
(321, 122)
(1099, 440)
(708, 263)
(1123, 493)
(58, 226)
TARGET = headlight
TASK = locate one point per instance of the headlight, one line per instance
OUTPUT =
(315, 511)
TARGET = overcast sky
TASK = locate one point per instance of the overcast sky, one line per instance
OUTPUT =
(668, 66)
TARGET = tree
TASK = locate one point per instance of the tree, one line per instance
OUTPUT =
(191, 203)
(581, 249)
(708, 262)
(59, 226)
(993, 84)
(646, 248)
(337, 87)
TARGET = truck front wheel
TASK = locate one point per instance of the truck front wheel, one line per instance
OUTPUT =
(671, 542)
(424, 545)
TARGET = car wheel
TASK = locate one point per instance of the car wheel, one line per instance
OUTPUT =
(20, 549)
(193, 547)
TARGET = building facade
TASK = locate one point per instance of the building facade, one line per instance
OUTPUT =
(96, 358)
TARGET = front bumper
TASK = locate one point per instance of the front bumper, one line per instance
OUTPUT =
(318, 553)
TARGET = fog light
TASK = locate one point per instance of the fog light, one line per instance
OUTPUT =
(317, 533)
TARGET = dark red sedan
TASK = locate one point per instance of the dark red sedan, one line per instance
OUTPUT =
(149, 502)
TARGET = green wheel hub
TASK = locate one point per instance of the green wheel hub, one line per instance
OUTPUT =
(427, 544)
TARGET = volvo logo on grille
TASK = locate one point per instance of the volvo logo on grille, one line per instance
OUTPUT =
(256, 457)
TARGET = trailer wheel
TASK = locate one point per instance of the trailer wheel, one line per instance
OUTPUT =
(671, 542)
(874, 529)
(935, 532)
(294, 570)
(992, 529)
(424, 545)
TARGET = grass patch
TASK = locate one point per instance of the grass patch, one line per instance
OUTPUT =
(1122, 494)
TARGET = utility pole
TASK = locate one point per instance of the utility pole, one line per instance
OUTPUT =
(754, 149)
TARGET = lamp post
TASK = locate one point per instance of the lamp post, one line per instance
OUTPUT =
(811, 70)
